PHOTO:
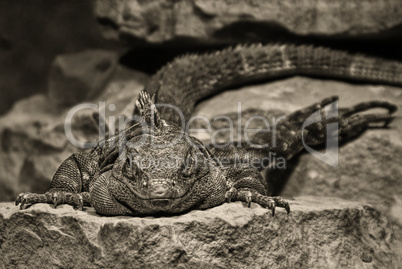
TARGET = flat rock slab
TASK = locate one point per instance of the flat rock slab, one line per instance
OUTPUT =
(318, 233)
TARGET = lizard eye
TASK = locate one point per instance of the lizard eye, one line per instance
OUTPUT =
(130, 169)
(189, 165)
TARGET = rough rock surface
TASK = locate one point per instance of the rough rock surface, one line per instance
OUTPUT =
(163, 20)
(319, 233)
(369, 167)
(32, 33)
(76, 77)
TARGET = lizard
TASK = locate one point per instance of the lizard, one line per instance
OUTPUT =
(119, 178)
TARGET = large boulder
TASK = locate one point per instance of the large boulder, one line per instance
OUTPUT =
(77, 77)
(223, 21)
(32, 34)
(318, 233)
(368, 167)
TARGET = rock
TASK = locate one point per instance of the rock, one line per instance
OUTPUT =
(369, 168)
(78, 76)
(319, 233)
(164, 20)
(32, 34)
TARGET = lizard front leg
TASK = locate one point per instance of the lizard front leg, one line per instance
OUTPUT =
(104, 194)
(70, 184)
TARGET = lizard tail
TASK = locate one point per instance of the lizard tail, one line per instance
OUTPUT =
(189, 78)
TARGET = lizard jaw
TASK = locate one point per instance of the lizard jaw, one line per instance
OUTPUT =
(160, 189)
(160, 203)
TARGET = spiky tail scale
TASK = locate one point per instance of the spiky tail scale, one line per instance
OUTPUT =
(193, 77)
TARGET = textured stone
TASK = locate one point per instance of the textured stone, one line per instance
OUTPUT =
(369, 167)
(319, 233)
(32, 33)
(164, 20)
(78, 76)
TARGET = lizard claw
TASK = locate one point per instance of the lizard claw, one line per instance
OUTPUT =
(271, 205)
(55, 199)
(230, 194)
(279, 201)
(19, 199)
(248, 199)
(78, 202)
(273, 202)
(23, 203)
(287, 208)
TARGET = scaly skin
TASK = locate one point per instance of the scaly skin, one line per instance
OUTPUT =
(142, 172)
(190, 78)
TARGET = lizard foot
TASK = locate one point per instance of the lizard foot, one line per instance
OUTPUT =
(56, 198)
(273, 202)
(74, 199)
(350, 122)
(232, 193)
(27, 198)
(353, 124)
(248, 196)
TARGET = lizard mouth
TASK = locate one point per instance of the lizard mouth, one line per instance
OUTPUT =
(160, 202)
(159, 191)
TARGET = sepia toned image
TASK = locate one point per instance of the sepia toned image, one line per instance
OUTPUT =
(200, 134)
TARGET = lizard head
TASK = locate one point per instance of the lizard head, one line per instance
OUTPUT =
(163, 167)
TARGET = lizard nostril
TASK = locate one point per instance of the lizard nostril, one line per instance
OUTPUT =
(159, 190)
